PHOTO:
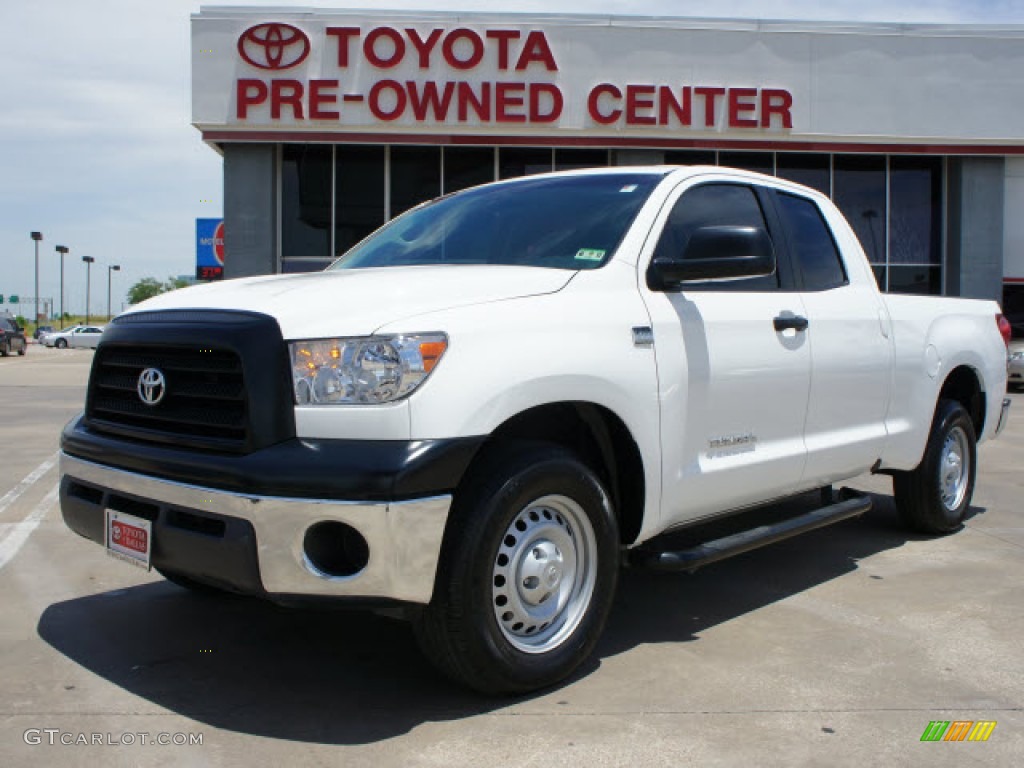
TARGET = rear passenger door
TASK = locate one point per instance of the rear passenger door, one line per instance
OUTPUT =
(851, 356)
(733, 389)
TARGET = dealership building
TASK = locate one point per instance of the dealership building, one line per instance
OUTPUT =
(332, 122)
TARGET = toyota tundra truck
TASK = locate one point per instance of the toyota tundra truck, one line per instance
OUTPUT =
(481, 412)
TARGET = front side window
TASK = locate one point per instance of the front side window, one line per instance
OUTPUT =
(714, 205)
(571, 222)
(816, 254)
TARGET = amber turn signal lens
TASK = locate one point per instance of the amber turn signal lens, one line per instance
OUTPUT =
(431, 352)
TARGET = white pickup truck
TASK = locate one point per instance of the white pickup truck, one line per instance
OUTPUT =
(480, 412)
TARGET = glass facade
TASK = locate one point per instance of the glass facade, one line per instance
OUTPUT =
(305, 206)
(915, 231)
(360, 194)
(813, 171)
(333, 196)
(858, 189)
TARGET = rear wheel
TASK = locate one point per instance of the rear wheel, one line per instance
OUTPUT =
(527, 572)
(934, 497)
(5, 349)
(23, 350)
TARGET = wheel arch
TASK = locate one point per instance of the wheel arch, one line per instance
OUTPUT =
(963, 384)
(594, 433)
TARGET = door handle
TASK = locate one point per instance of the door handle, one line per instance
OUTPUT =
(787, 322)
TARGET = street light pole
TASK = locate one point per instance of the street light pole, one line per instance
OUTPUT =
(88, 272)
(110, 271)
(62, 250)
(37, 236)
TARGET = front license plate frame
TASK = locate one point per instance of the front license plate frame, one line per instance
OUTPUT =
(129, 538)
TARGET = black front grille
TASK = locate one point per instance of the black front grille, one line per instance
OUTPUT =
(227, 375)
(204, 402)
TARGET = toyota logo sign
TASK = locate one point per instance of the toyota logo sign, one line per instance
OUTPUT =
(273, 46)
(152, 386)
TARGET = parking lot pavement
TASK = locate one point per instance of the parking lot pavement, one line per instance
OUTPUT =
(836, 648)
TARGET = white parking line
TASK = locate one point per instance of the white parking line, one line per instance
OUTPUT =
(12, 495)
(18, 533)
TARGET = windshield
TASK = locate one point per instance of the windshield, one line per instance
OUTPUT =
(566, 222)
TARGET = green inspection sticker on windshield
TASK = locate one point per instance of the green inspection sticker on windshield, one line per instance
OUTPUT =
(590, 254)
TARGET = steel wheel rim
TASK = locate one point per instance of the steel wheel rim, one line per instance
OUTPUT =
(954, 469)
(544, 574)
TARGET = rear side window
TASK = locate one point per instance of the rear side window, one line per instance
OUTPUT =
(711, 205)
(817, 257)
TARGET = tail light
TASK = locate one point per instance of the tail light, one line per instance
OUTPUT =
(1004, 329)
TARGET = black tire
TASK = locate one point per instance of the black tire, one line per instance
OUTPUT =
(5, 349)
(61, 343)
(23, 350)
(534, 509)
(190, 584)
(934, 497)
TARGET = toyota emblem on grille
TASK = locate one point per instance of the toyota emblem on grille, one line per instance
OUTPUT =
(152, 386)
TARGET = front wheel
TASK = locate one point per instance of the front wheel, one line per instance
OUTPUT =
(934, 497)
(527, 573)
(61, 343)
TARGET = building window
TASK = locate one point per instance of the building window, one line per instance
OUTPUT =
(918, 279)
(572, 159)
(467, 167)
(524, 161)
(859, 192)
(305, 206)
(415, 177)
(893, 203)
(759, 162)
(915, 224)
(360, 197)
(691, 157)
(810, 170)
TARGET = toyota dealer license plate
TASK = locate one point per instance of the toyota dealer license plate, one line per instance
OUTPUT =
(129, 538)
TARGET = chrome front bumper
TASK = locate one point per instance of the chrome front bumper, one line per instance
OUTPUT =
(404, 537)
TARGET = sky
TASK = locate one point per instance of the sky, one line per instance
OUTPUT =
(97, 151)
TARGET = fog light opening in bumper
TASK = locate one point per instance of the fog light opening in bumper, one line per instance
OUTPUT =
(335, 550)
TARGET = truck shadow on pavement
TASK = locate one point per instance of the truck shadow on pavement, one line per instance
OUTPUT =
(350, 677)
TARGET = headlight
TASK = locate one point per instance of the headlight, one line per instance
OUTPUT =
(1017, 355)
(371, 369)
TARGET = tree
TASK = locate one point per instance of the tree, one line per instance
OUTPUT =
(146, 288)
(173, 283)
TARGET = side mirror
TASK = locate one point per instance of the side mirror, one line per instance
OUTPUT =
(716, 253)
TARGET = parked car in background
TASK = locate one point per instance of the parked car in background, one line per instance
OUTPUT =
(12, 337)
(80, 337)
(1015, 371)
(41, 331)
(50, 339)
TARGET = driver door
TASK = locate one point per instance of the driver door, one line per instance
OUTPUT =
(733, 388)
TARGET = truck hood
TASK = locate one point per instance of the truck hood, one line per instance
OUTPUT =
(356, 302)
